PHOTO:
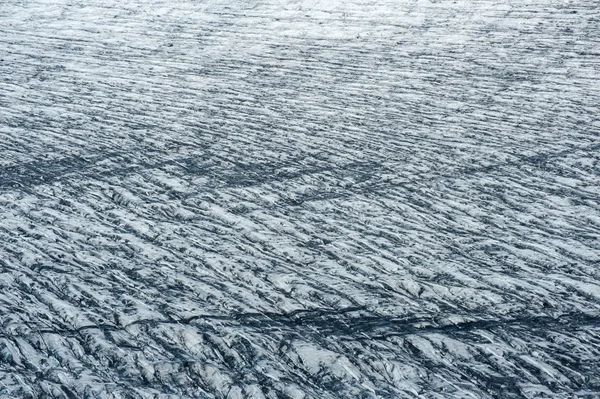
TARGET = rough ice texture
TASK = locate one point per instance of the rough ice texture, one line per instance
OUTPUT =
(299, 199)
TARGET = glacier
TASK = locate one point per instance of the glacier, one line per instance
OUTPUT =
(299, 199)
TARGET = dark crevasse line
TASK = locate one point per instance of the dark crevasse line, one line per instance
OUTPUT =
(336, 323)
